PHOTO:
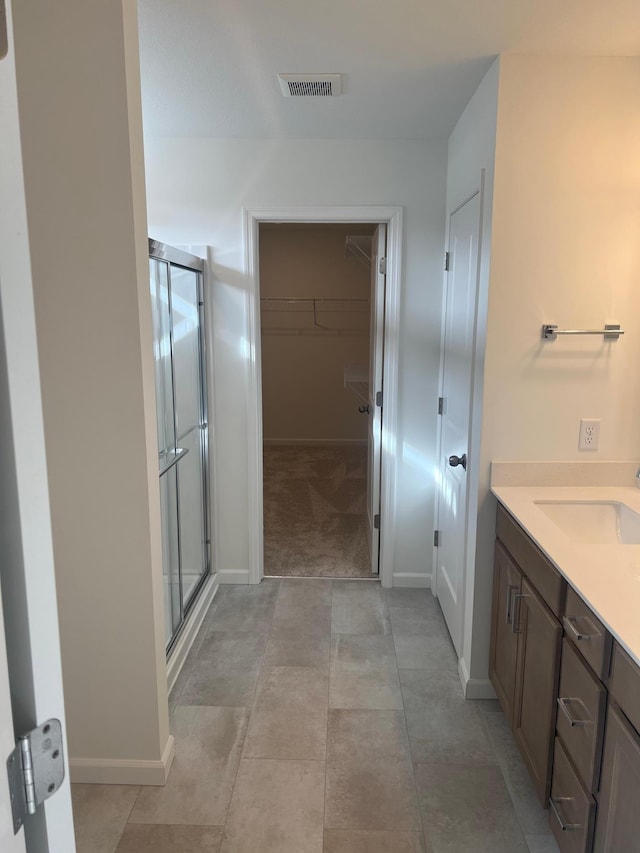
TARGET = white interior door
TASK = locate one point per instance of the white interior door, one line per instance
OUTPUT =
(376, 361)
(457, 372)
(31, 665)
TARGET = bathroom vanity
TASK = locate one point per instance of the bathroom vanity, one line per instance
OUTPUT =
(565, 654)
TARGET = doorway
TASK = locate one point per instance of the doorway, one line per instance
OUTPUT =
(318, 317)
(391, 217)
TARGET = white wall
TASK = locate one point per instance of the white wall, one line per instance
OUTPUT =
(80, 116)
(196, 190)
(565, 250)
(303, 390)
(470, 167)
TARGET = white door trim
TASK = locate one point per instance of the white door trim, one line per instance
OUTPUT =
(391, 216)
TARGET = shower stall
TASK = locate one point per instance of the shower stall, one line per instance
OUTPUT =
(177, 300)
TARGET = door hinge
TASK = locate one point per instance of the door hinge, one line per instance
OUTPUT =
(376, 521)
(440, 405)
(447, 259)
(382, 266)
(436, 538)
(379, 398)
(35, 769)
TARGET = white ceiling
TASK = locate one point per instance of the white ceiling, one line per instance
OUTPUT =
(209, 66)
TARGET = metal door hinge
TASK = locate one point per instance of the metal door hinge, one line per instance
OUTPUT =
(436, 538)
(35, 769)
(382, 266)
(379, 398)
(4, 39)
(447, 259)
(440, 405)
(376, 521)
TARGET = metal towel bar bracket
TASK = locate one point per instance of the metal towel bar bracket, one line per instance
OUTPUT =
(610, 332)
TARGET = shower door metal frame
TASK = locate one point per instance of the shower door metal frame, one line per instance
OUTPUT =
(176, 257)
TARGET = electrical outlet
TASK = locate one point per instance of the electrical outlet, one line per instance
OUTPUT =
(589, 434)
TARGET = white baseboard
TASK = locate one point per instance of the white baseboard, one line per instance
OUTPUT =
(233, 576)
(316, 442)
(474, 688)
(189, 632)
(412, 579)
(106, 771)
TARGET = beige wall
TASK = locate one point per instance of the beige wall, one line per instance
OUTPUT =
(82, 145)
(565, 250)
(303, 392)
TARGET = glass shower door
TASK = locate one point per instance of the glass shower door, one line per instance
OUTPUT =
(177, 306)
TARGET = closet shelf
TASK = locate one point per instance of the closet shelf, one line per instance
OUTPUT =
(314, 315)
(356, 380)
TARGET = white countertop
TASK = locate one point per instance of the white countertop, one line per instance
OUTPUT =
(607, 577)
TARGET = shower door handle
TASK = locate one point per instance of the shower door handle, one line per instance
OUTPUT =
(178, 454)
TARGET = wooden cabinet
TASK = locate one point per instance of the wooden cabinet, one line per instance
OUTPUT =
(507, 580)
(538, 659)
(618, 819)
(525, 646)
(557, 692)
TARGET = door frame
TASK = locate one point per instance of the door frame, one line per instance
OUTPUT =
(475, 423)
(391, 216)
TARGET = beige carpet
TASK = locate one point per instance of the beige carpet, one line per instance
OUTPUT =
(315, 512)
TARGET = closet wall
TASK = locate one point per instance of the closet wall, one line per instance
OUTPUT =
(304, 356)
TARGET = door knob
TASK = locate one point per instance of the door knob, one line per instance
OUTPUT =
(454, 461)
(364, 410)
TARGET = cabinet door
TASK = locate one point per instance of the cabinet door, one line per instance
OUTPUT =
(507, 579)
(538, 663)
(618, 819)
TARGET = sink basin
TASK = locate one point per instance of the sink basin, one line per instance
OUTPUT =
(594, 522)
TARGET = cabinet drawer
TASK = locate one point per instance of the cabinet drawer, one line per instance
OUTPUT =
(545, 578)
(588, 633)
(581, 709)
(625, 684)
(571, 808)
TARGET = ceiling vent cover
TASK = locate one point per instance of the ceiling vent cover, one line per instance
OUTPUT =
(310, 85)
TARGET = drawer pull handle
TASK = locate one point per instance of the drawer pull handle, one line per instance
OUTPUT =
(570, 623)
(510, 590)
(555, 802)
(515, 627)
(564, 705)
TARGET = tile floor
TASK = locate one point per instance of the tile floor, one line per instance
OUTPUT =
(319, 716)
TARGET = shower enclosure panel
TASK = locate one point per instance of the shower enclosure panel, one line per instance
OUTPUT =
(178, 319)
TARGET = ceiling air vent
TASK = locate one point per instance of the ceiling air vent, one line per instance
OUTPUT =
(310, 85)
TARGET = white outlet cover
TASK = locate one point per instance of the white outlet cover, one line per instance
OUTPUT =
(589, 434)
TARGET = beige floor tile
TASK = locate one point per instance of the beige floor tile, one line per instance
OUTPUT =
(369, 774)
(467, 809)
(375, 689)
(244, 608)
(363, 841)
(225, 671)
(302, 646)
(208, 746)
(359, 608)
(414, 598)
(305, 592)
(443, 727)
(534, 820)
(360, 652)
(416, 621)
(542, 844)
(148, 838)
(305, 618)
(100, 813)
(277, 807)
(433, 650)
(289, 719)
